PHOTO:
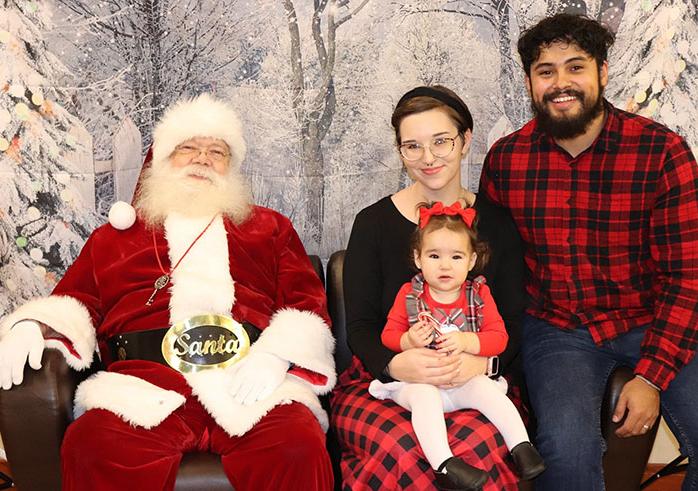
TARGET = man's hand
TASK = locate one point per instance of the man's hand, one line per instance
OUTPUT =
(419, 335)
(257, 376)
(641, 401)
(23, 342)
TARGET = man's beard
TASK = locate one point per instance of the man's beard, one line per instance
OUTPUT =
(564, 128)
(165, 190)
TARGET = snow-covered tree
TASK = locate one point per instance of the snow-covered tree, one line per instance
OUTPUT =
(132, 58)
(291, 105)
(312, 86)
(44, 219)
(654, 68)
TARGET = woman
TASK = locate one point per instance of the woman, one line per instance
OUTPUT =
(433, 129)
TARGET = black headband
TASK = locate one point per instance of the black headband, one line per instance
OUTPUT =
(450, 101)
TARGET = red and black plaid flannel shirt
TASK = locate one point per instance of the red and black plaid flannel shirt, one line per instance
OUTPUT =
(611, 235)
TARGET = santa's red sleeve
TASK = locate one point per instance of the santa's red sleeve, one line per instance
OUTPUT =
(70, 312)
(299, 331)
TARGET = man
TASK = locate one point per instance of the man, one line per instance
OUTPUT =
(201, 259)
(606, 204)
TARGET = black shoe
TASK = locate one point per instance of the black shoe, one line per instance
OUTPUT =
(454, 474)
(527, 460)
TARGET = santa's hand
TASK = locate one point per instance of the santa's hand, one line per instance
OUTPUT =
(23, 342)
(257, 376)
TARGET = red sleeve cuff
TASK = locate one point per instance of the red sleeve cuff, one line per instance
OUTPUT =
(309, 376)
(656, 373)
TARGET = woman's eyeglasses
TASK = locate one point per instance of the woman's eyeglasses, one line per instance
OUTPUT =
(441, 147)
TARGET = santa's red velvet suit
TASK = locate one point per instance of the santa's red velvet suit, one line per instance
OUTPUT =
(138, 417)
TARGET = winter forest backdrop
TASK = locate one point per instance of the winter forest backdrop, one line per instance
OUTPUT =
(315, 81)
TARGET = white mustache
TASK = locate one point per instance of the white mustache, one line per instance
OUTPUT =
(198, 171)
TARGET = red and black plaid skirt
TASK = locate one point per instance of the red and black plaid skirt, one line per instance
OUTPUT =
(380, 450)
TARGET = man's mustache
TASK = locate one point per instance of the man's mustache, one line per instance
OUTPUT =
(569, 92)
(198, 171)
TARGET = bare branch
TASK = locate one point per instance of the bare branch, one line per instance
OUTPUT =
(316, 27)
(482, 15)
(351, 14)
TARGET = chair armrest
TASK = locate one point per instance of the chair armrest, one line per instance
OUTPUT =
(626, 458)
(335, 305)
(33, 419)
(317, 266)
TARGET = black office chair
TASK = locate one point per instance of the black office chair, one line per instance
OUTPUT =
(5, 481)
(673, 467)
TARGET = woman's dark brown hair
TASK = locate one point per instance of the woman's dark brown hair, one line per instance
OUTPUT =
(421, 99)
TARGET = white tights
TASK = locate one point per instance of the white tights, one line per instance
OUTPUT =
(429, 403)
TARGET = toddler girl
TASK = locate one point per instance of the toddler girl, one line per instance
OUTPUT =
(441, 309)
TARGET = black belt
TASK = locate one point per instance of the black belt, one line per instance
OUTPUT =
(147, 345)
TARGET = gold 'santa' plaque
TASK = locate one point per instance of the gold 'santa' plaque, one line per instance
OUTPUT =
(203, 342)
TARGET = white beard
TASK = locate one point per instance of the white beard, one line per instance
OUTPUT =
(165, 189)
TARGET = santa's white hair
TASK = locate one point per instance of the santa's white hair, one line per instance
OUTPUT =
(202, 116)
(165, 189)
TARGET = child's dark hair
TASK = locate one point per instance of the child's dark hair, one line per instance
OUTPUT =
(456, 224)
(589, 35)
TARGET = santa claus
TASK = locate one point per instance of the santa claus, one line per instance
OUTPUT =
(208, 316)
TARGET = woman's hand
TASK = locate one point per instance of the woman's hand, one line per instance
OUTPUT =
(469, 366)
(419, 335)
(426, 366)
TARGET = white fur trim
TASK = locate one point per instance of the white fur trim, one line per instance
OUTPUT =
(201, 284)
(202, 116)
(141, 403)
(65, 315)
(134, 400)
(304, 339)
(210, 387)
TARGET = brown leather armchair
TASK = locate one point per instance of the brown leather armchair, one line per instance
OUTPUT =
(35, 415)
(625, 459)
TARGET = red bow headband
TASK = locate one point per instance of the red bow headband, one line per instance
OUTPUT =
(438, 208)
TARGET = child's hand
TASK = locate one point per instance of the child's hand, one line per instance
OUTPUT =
(458, 342)
(419, 335)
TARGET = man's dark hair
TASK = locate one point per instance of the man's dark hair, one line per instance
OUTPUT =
(588, 34)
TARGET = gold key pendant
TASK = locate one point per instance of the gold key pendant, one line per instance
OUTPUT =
(159, 284)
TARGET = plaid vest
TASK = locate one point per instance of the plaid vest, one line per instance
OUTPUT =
(468, 320)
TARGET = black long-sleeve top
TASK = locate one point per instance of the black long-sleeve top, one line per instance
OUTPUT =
(378, 262)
